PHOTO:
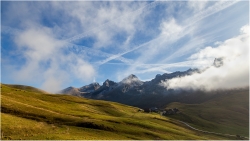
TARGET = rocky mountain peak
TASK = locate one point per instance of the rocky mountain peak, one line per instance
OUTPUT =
(95, 83)
(218, 62)
(108, 83)
(90, 88)
(131, 77)
(132, 80)
(158, 75)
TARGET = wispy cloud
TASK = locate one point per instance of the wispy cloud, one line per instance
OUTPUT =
(111, 18)
(118, 17)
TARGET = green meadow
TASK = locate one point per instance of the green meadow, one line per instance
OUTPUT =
(31, 114)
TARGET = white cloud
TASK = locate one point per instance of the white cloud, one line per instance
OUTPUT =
(82, 69)
(39, 43)
(53, 78)
(245, 29)
(234, 73)
(46, 60)
(170, 28)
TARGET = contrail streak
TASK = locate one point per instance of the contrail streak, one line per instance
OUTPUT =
(203, 14)
(143, 68)
(9, 30)
(95, 52)
(194, 63)
(120, 54)
(210, 11)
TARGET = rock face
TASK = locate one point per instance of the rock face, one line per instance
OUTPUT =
(218, 62)
(131, 90)
(90, 88)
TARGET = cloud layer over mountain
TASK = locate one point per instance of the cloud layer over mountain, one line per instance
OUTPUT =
(234, 73)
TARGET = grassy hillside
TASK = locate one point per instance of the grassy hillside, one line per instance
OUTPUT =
(33, 115)
(228, 113)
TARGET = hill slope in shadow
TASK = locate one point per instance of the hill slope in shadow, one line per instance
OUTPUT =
(225, 113)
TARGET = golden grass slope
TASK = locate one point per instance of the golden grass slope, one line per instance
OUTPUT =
(33, 115)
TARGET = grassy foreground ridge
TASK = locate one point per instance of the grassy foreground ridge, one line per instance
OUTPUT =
(29, 113)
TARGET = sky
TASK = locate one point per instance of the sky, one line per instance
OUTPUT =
(52, 45)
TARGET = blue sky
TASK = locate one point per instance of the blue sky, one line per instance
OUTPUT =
(53, 45)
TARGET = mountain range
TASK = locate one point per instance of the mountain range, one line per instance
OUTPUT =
(132, 91)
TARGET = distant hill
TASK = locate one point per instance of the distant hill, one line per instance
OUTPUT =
(30, 115)
(28, 88)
